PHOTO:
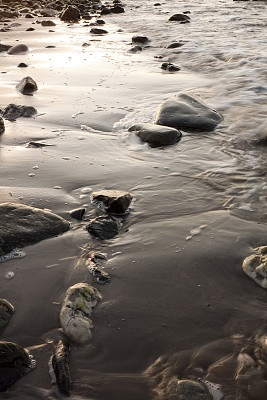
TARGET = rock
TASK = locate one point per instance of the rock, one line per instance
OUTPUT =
(30, 29)
(61, 369)
(169, 67)
(186, 112)
(36, 145)
(14, 363)
(78, 213)
(187, 390)
(9, 14)
(70, 14)
(6, 312)
(180, 18)
(175, 45)
(94, 265)
(22, 225)
(27, 85)
(156, 135)
(139, 39)
(4, 47)
(100, 22)
(255, 266)
(22, 65)
(117, 9)
(98, 31)
(2, 126)
(47, 12)
(105, 11)
(18, 49)
(112, 201)
(135, 49)
(103, 227)
(48, 23)
(29, 15)
(77, 307)
(12, 112)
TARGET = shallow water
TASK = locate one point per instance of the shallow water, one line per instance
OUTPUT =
(200, 206)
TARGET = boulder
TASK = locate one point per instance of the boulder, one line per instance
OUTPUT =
(14, 363)
(77, 307)
(112, 201)
(27, 85)
(184, 111)
(2, 126)
(18, 49)
(117, 9)
(180, 18)
(22, 225)
(104, 227)
(6, 312)
(12, 112)
(98, 31)
(156, 135)
(48, 23)
(70, 14)
(255, 266)
(139, 39)
(60, 365)
(187, 389)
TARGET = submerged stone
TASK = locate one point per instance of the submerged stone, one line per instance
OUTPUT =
(60, 365)
(104, 227)
(18, 49)
(13, 111)
(22, 225)
(27, 85)
(184, 111)
(6, 312)
(255, 266)
(14, 363)
(113, 201)
(76, 310)
(156, 135)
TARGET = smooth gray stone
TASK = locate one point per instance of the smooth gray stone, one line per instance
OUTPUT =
(27, 85)
(184, 111)
(18, 49)
(70, 13)
(156, 135)
(180, 18)
(22, 225)
(104, 227)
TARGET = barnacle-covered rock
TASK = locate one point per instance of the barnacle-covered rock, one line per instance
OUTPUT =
(255, 266)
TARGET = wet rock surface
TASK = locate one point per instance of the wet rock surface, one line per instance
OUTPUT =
(70, 13)
(60, 365)
(180, 18)
(255, 266)
(156, 135)
(139, 39)
(18, 49)
(13, 111)
(27, 85)
(187, 389)
(14, 363)
(6, 312)
(170, 67)
(112, 201)
(22, 225)
(76, 310)
(186, 112)
(104, 227)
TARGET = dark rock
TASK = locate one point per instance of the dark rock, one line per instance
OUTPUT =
(27, 85)
(6, 312)
(180, 18)
(104, 227)
(21, 225)
(139, 39)
(187, 389)
(76, 311)
(4, 47)
(48, 23)
(12, 112)
(50, 47)
(98, 31)
(135, 49)
(9, 14)
(47, 12)
(18, 49)
(78, 213)
(186, 112)
(22, 65)
(175, 45)
(156, 135)
(105, 11)
(94, 266)
(70, 14)
(60, 364)
(2, 126)
(14, 362)
(30, 29)
(117, 9)
(112, 201)
(100, 22)
(29, 16)
(36, 145)
(169, 67)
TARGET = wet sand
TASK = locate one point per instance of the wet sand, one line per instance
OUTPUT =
(170, 290)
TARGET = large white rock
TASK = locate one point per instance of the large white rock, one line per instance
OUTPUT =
(76, 310)
(255, 266)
